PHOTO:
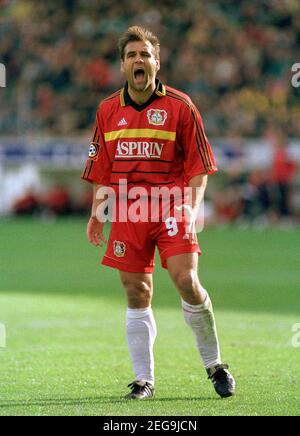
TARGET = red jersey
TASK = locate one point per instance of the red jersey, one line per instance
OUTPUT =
(159, 143)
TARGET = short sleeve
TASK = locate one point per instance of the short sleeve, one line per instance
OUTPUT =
(198, 155)
(98, 165)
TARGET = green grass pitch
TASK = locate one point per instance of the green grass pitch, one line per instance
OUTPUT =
(64, 315)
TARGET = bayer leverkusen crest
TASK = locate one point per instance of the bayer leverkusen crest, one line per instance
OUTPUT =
(119, 248)
(157, 117)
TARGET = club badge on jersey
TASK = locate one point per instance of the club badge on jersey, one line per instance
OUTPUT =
(157, 117)
(119, 248)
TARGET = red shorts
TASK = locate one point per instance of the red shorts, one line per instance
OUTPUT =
(131, 246)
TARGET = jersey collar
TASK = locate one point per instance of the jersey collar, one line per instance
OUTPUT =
(125, 99)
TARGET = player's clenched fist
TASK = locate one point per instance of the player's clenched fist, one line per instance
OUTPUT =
(94, 232)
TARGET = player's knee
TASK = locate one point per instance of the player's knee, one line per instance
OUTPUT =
(138, 292)
(187, 280)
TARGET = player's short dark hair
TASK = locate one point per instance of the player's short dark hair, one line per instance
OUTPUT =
(137, 33)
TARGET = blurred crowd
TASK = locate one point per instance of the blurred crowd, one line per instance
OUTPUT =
(56, 201)
(264, 196)
(233, 57)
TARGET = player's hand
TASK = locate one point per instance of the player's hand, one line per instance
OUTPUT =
(190, 222)
(94, 232)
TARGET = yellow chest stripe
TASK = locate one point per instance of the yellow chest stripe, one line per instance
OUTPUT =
(140, 133)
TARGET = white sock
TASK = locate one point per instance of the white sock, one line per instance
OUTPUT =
(141, 334)
(201, 319)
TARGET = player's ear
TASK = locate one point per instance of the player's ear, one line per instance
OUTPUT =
(122, 66)
(157, 65)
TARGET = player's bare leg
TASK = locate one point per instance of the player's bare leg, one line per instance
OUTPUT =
(198, 314)
(140, 331)
(139, 289)
(183, 271)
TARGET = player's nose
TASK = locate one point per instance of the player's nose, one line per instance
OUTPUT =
(139, 59)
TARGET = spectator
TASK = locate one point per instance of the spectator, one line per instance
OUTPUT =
(283, 172)
(57, 201)
(28, 204)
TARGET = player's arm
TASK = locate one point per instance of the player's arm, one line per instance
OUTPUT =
(97, 172)
(198, 163)
(198, 185)
(95, 226)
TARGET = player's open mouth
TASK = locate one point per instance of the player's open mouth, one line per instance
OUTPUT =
(139, 74)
